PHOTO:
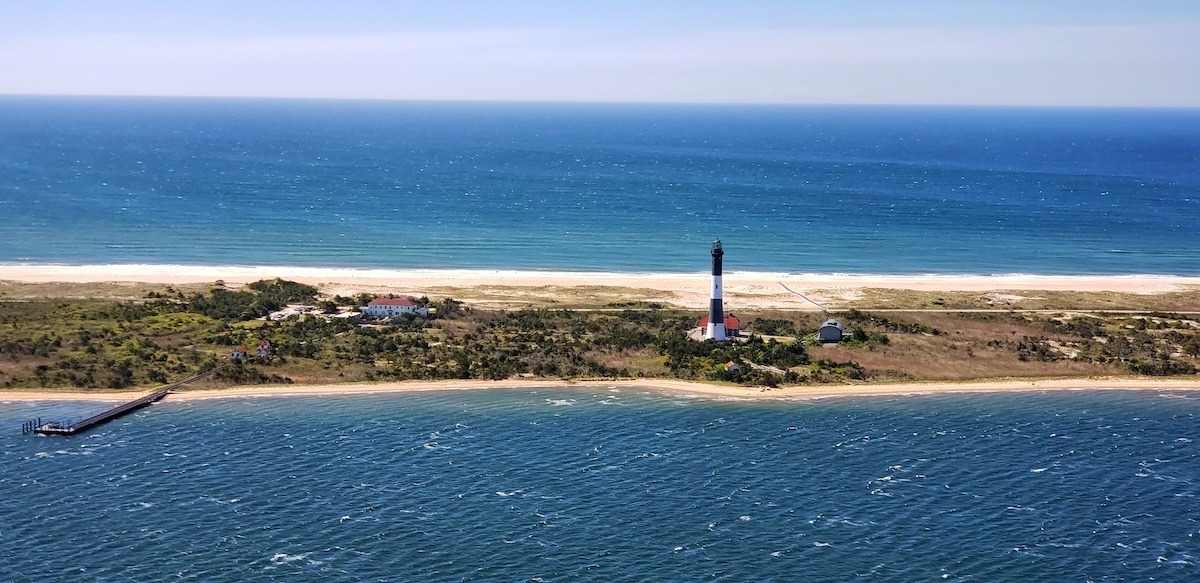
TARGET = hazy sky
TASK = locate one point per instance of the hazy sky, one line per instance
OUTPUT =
(1015, 52)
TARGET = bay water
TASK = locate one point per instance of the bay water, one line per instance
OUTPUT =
(609, 484)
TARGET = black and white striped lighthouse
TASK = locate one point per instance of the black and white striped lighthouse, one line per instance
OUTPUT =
(716, 312)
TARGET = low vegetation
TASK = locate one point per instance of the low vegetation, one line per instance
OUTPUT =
(170, 334)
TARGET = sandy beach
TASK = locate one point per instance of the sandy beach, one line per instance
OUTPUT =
(751, 290)
(665, 385)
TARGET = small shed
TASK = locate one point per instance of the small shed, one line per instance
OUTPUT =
(830, 331)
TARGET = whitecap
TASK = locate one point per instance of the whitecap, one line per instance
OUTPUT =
(280, 558)
(1038, 470)
(821, 544)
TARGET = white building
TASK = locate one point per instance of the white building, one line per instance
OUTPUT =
(388, 307)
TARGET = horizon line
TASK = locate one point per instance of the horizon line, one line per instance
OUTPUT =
(596, 102)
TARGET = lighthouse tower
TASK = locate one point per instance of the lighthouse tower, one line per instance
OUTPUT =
(716, 312)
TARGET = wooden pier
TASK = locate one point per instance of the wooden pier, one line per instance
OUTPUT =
(38, 427)
(59, 428)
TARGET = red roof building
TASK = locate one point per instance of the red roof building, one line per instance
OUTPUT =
(389, 307)
(731, 323)
(405, 302)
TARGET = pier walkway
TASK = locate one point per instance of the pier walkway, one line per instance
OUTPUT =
(65, 428)
(57, 428)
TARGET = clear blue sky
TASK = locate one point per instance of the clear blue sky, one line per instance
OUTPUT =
(1015, 52)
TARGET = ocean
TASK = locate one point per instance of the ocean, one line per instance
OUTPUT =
(596, 187)
(609, 485)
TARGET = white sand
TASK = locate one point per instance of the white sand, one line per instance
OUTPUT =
(749, 289)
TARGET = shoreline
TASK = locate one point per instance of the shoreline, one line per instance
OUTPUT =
(661, 385)
(240, 274)
(507, 288)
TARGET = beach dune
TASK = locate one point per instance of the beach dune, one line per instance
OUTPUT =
(751, 290)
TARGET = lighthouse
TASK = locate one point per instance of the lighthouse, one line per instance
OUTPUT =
(716, 312)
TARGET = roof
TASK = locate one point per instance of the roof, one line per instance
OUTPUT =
(731, 322)
(833, 323)
(392, 302)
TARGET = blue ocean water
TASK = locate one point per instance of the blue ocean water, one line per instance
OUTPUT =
(609, 485)
(622, 188)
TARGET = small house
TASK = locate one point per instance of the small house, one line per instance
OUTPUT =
(732, 325)
(238, 353)
(830, 331)
(390, 307)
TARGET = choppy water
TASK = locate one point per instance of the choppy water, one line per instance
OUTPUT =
(621, 188)
(608, 485)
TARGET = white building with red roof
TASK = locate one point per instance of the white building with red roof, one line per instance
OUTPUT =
(389, 307)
